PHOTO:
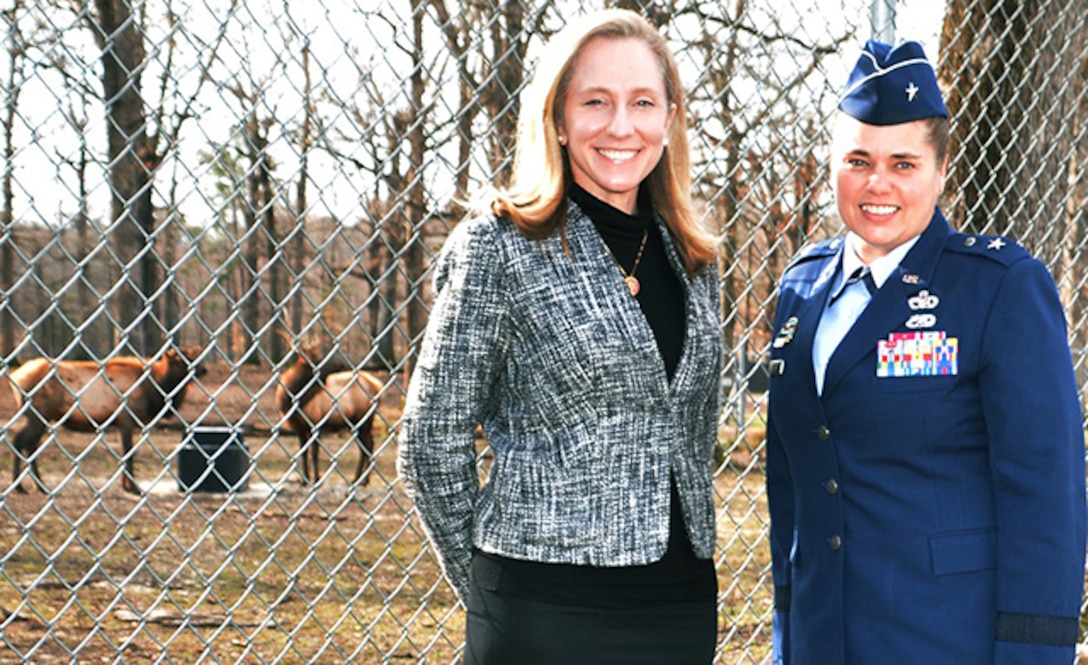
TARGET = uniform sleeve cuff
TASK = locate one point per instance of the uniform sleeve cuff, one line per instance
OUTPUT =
(1035, 629)
(782, 598)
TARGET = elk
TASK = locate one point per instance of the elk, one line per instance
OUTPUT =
(125, 392)
(314, 400)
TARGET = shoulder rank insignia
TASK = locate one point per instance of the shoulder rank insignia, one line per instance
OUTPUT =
(993, 247)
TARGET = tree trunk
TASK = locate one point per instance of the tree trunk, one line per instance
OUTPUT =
(94, 341)
(298, 234)
(7, 230)
(510, 46)
(251, 274)
(1077, 307)
(275, 267)
(414, 249)
(132, 160)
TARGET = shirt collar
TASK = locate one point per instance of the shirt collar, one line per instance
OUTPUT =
(881, 268)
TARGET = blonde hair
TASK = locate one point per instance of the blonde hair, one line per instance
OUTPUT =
(536, 199)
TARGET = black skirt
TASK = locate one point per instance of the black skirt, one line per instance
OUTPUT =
(529, 613)
(509, 630)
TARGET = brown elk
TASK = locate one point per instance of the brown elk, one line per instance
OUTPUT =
(314, 400)
(87, 396)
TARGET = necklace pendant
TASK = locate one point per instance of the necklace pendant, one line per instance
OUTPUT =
(632, 284)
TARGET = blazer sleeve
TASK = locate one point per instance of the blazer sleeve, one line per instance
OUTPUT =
(781, 506)
(450, 390)
(1036, 442)
(714, 398)
(780, 500)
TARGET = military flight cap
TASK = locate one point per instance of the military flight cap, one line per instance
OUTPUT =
(890, 86)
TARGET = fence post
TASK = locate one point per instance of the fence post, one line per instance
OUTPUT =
(882, 20)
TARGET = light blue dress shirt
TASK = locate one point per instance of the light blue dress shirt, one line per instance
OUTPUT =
(849, 299)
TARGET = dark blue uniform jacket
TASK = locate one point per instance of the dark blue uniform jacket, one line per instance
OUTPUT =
(930, 506)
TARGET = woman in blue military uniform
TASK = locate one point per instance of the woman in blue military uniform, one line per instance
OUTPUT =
(925, 452)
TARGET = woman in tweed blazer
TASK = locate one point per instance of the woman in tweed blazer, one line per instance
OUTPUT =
(579, 324)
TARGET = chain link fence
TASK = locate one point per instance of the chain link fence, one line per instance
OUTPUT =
(204, 200)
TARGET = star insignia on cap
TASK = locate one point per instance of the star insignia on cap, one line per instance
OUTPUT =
(996, 243)
(912, 91)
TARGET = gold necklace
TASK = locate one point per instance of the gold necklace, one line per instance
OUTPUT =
(629, 277)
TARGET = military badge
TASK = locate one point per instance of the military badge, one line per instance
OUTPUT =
(923, 300)
(785, 335)
(919, 303)
(917, 321)
(930, 353)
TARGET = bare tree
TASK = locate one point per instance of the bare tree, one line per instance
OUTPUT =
(380, 167)
(415, 202)
(258, 213)
(133, 160)
(756, 163)
(7, 238)
(297, 258)
(174, 111)
(490, 72)
(96, 338)
(264, 283)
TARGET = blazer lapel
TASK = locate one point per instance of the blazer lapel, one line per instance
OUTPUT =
(702, 324)
(888, 309)
(602, 275)
(808, 318)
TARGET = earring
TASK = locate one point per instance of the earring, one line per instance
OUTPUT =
(562, 140)
(665, 142)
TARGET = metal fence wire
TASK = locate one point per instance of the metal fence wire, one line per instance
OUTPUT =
(205, 200)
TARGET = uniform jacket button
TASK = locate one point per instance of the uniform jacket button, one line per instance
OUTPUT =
(832, 487)
(836, 543)
(823, 433)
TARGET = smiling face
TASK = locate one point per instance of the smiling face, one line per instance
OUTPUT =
(615, 115)
(887, 180)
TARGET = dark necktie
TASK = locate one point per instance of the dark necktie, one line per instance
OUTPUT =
(861, 274)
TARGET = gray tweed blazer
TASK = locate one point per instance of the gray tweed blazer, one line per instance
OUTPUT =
(553, 357)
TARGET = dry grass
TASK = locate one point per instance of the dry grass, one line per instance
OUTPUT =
(280, 573)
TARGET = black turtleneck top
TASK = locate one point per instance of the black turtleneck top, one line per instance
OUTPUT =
(661, 295)
(679, 576)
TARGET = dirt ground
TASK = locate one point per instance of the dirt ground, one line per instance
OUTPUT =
(280, 572)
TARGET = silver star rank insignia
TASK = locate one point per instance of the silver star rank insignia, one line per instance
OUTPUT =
(912, 92)
(996, 244)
